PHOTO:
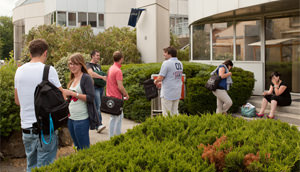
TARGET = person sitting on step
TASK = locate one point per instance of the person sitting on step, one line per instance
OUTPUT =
(278, 95)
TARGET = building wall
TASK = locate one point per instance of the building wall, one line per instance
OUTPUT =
(153, 29)
(117, 12)
(32, 14)
(205, 8)
(179, 7)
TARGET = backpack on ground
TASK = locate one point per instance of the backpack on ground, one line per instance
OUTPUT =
(213, 82)
(51, 109)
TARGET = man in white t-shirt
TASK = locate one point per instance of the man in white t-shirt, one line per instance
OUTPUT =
(27, 77)
(169, 80)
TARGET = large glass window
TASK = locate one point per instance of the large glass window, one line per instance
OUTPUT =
(201, 42)
(101, 20)
(222, 35)
(282, 48)
(92, 19)
(248, 41)
(72, 19)
(82, 19)
(61, 18)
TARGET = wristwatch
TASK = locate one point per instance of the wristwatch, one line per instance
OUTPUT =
(77, 94)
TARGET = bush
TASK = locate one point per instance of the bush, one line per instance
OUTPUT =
(198, 98)
(172, 144)
(10, 112)
(70, 40)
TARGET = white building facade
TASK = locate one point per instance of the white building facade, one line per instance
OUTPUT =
(100, 14)
(261, 36)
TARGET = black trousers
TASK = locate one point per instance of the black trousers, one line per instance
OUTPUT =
(281, 101)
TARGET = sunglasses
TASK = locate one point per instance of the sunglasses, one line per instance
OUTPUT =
(73, 64)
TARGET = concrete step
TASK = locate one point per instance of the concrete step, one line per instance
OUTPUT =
(294, 108)
(292, 119)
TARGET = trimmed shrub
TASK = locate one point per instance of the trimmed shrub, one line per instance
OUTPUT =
(172, 144)
(198, 98)
(10, 112)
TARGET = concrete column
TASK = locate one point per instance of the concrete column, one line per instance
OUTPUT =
(153, 32)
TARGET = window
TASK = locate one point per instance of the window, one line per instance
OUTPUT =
(201, 42)
(92, 19)
(248, 41)
(72, 19)
(222, 35)
(61, 18)
(53, 17)
(101, 20)
(82, 19)
(282, 48)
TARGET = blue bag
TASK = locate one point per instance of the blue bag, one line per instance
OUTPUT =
(248, 110)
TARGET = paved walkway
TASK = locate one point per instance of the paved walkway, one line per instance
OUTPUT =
(104, 135)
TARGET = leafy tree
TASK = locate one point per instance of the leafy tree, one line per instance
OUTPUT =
(122, 39)
(6, 36)
(65, 40)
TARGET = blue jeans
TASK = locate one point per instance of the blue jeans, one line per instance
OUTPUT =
(115, 125)
(79, 131)
(36, 154)
(98, 96)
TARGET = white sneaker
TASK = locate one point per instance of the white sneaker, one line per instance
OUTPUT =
(100, 128)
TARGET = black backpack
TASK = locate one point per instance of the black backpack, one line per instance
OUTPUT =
(150, 89)
(213, 82)
(51, 109)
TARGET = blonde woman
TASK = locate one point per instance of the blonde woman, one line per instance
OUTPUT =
(83, 113)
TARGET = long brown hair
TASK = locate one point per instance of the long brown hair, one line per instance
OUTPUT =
(76, 58)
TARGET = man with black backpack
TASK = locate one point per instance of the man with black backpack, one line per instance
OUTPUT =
(27, 77)
(94, 69)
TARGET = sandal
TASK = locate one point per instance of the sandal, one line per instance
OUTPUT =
(260, 115)
(271, 117)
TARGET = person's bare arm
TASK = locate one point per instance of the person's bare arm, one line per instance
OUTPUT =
(158, 81)
(122, 89)
(222, 73)
(279, 89)
(74, 94)
(269, 92)
(95, 75)
(16, 97)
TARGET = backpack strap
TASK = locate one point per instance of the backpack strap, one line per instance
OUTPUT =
(46, 72)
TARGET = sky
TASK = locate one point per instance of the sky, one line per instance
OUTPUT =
(6, 7)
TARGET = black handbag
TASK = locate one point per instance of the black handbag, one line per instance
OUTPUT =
(213, 82)
(111, 105)
(150, 89)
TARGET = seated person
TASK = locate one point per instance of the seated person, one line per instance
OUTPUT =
(278, 94)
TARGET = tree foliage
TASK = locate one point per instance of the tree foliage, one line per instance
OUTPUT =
(70, 40)
(6, 36)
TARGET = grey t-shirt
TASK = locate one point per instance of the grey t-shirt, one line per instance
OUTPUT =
(171, 70)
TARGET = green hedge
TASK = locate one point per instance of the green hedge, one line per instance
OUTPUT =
(10, 112)
(198, 98)
(172, 144)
